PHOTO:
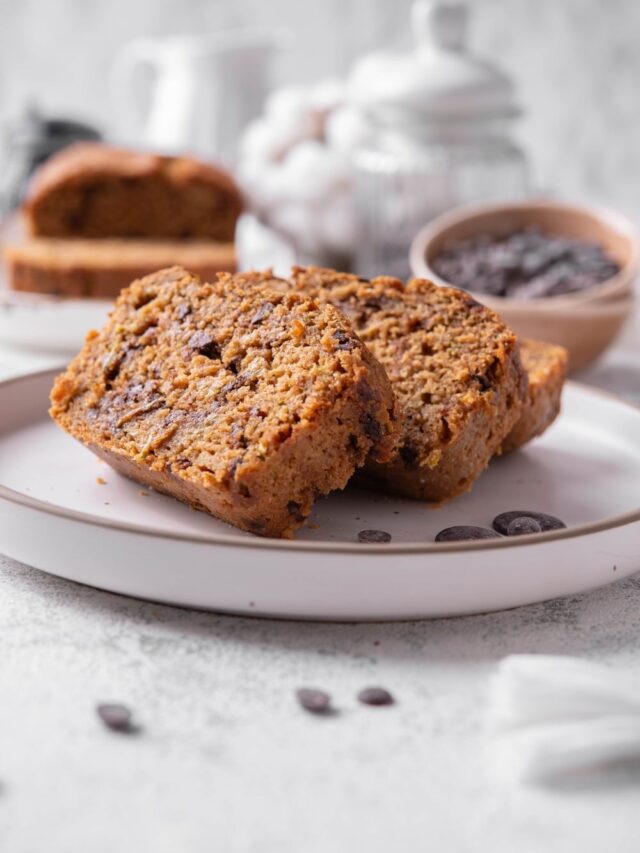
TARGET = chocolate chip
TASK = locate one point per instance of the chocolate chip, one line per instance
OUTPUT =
(316, 701)
(409, 455)
(372, 428)
(345, 341)
(263, 311)
(294, 510)
(204, 344)
(116, 717)
(461, 532)
(523, 525)
(375, 696)
(547, 522)
(374, 536)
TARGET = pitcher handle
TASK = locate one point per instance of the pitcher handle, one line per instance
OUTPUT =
(130, 119)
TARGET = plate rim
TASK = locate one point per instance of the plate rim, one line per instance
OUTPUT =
(260, 543)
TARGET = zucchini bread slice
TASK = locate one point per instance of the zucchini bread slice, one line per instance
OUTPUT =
(546, 366)
(454, 368)
(233, 397)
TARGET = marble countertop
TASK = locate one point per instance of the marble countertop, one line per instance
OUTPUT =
(226, 760)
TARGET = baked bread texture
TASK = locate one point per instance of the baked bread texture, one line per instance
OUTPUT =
(454, 368)
(99, 269)
(96, 190)
(546, 366)
(235, 398)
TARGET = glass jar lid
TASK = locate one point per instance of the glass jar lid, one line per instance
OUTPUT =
(437, 81)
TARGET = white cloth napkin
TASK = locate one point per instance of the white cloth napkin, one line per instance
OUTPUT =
(552, 717)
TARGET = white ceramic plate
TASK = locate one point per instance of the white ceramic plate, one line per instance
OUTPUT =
(56, 516)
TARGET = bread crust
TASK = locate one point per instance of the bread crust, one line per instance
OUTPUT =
(235, 398)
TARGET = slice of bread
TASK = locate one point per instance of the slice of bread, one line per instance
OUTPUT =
(101, 268)
(237, 399)
(96, 190)
(546, 366)
(454, 368)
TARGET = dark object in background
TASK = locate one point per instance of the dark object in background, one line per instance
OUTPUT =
(115, 717)
(527, 264)
(26, 143)
(375, 696)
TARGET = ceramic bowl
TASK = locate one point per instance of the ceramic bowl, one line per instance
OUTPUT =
(586, 323)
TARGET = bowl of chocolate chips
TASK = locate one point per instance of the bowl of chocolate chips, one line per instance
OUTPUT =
(553, 271)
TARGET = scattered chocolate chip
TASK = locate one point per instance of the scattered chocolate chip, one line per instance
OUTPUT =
(204, 344)
(345, 341)
(547, 522)
(374, 536)
(375, 696)
(262, 313)
(116, 717)
(522, 525)
(461, 532)
(316, 701)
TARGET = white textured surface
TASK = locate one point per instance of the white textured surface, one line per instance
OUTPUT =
(228, 762)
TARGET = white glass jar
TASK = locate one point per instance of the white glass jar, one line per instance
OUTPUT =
(438, 135)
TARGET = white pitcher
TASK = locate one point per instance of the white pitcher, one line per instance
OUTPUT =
(203, 91)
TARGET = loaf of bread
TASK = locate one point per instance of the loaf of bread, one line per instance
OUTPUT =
(233, 397)
(454, 368)
(101, 268)
(96, 190)
(546, 366)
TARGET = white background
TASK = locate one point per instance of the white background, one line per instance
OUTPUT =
(576, 63)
